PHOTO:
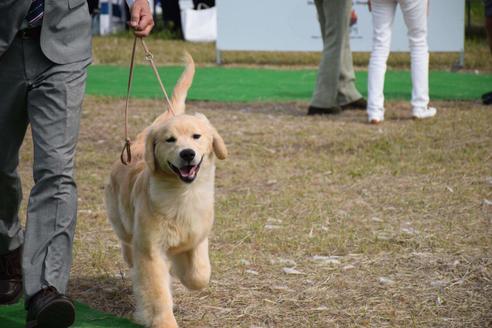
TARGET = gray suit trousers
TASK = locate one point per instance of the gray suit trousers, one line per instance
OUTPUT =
(335, 85)
(48, 96)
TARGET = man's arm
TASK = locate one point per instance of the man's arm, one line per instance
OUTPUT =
(141, 19)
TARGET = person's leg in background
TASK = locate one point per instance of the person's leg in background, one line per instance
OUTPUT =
(488, 21)
(171, 15)
(415, 16)
(348, 96)
(13, 125)
(487, 97)
(334, 22)
(383, 13)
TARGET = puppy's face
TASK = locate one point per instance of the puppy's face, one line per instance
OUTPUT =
(182, 145)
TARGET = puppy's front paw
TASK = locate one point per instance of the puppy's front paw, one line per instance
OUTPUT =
(165, 325)
(165, 321)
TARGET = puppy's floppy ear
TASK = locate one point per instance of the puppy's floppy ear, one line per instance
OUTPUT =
(218, 144)
(220, 149)
(149, 150)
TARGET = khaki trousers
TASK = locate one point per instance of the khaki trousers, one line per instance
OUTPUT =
(335, 84)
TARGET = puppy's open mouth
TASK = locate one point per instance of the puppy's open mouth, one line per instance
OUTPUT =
(186, 173)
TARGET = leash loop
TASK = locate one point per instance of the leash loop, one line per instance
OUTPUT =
(126, 149)
(127, 145)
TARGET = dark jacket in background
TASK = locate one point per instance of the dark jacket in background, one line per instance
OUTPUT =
(172, 16)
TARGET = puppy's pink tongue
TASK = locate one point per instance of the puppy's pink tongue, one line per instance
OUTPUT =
(187, 171)
(193, 170)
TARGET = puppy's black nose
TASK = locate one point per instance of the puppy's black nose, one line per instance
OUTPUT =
(187, 154)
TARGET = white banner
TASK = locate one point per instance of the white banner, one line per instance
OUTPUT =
(292, 25)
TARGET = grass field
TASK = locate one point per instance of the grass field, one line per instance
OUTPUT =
(320, 221)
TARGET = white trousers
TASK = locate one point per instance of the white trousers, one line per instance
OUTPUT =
(415, 16)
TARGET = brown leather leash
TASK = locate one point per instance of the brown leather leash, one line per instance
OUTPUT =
(150, 58)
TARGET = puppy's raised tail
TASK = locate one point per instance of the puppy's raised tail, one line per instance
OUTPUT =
(181, 89)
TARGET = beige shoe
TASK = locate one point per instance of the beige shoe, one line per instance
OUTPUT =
(375, 116)
(421, 113)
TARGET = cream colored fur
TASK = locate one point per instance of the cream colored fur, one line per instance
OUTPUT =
(162, 222)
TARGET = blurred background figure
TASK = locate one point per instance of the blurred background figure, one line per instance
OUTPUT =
(488, 21)
(415, 16)
(335, 87)
(171, 13)
(353, 18)
(487, 98)
(93, 6)
(171, 16)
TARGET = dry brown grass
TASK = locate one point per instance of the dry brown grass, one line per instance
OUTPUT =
(168, 52)
(402, 205)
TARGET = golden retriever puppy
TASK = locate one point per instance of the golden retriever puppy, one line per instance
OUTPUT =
(161, 205)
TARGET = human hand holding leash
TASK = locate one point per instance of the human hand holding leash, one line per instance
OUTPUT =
(141, 20)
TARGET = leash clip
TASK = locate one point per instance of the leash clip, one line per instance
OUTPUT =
(149, 56)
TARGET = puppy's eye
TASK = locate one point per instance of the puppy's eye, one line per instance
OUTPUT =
(171, 139)
(196, 136)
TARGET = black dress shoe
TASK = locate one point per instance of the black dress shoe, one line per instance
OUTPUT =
(50, 309)
(312, 110)
(487, 98)
(360, 104)
(10, 277)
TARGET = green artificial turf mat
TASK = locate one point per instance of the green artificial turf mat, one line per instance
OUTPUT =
(14, 316)
(260, 84)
